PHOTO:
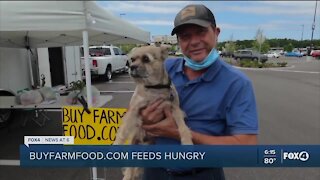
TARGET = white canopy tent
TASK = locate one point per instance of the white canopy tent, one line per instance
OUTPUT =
(35, 24)
(61, 23)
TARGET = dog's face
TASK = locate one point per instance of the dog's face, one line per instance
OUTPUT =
(147, 64)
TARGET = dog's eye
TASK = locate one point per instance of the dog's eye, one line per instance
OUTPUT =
(133, 59)
(145, 59)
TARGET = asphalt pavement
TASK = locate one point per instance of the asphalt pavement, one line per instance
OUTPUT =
(288, 102)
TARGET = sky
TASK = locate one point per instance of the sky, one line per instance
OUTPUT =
(238, 20)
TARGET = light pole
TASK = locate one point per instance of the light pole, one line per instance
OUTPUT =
(314, 19)
(312, 29)
(302, 32)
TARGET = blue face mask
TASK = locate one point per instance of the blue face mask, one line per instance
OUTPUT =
(210, 59)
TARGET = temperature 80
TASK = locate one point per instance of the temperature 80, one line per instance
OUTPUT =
(269, 160)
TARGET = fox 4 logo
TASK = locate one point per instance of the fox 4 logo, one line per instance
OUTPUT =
(302, 156)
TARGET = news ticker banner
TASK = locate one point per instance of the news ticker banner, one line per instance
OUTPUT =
(170, 156)
(99, 127)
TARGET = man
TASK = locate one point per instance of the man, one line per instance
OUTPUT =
(218, 100)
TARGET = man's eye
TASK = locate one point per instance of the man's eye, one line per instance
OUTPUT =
(183, 36)
(145, 59)
(202, 31)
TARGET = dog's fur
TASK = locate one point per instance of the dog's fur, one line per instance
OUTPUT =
(147, 69)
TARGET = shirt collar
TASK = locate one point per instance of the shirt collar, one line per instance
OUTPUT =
(180, 66)
(212, 71)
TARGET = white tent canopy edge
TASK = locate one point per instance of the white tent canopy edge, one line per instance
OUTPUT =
(33, 24)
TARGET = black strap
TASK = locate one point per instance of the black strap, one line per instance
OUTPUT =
(160, 86)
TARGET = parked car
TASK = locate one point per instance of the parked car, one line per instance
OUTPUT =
(171, 52)
(293, 54)
(178, 53)
(304, 52)
(226, 54)
(272, 55)
(106, 60)
(251, 55)
(315, 53)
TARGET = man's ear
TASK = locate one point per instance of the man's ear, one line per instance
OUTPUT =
(217, 31)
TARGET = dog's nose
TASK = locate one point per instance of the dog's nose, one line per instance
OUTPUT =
(133, 67)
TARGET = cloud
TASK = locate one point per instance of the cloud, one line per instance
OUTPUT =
(304, 8)
(276, 17)
(266, 26)
(270, 10)
(153, 22)
(249, 7)
(292, 25)
(232, 26)
(154, 7)
(293, 4)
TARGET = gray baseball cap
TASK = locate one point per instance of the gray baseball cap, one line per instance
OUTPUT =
(197, 14)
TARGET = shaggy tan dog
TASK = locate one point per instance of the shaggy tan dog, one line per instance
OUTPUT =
(147, 70)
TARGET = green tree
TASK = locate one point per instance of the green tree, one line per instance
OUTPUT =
(173, 48)
(126, 48)
(264, 46)
(260, 38)
(288, 47)
(221, 45)
(244, 44)
(230, 47)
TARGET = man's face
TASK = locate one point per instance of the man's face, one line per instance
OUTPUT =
(196, 42)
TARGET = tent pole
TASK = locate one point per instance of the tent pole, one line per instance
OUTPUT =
(87, 67)
(30, 68)
(88, 83)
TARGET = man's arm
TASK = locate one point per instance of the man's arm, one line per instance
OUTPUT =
(168, 128)
(241, 139)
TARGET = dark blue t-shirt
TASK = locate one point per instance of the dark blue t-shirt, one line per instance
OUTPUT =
(220, 102)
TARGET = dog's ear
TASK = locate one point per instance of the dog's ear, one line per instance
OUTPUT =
(165, 47)
(131, 53)
(164, 50)
(132, 50)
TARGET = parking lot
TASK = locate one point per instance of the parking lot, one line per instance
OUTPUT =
(288, 105)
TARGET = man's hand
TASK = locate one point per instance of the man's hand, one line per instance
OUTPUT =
(153, 113)
(165, 128)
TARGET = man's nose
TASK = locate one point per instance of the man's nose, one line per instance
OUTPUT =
(194, 39)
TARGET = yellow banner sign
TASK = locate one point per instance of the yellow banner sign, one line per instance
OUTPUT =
(97, 128)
